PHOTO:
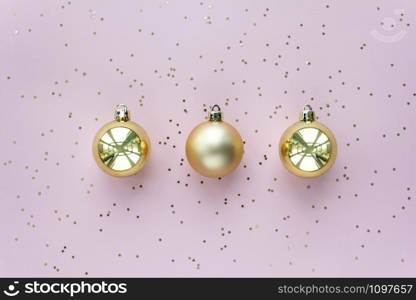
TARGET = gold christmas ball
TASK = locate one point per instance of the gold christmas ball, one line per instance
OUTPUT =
(121, 147)
(308, 148)
(214, 148)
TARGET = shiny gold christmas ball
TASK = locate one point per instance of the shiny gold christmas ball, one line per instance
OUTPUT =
(121, 147)
(214, 148)
(308, 148)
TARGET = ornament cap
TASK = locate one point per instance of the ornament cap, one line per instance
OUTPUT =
(215, 115)
(307, 115)
(122, 113)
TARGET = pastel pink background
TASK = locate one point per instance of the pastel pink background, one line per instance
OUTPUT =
(64, 65)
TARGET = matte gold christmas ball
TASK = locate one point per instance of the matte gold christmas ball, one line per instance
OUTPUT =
(214, 148)
(121, 147)
(308, 148)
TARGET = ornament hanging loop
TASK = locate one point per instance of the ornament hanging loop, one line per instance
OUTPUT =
(307, 115)
(215, 114)
(122, 113)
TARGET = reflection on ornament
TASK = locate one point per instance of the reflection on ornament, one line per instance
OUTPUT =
(308, 148)
(214, 148)
(121, 147)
